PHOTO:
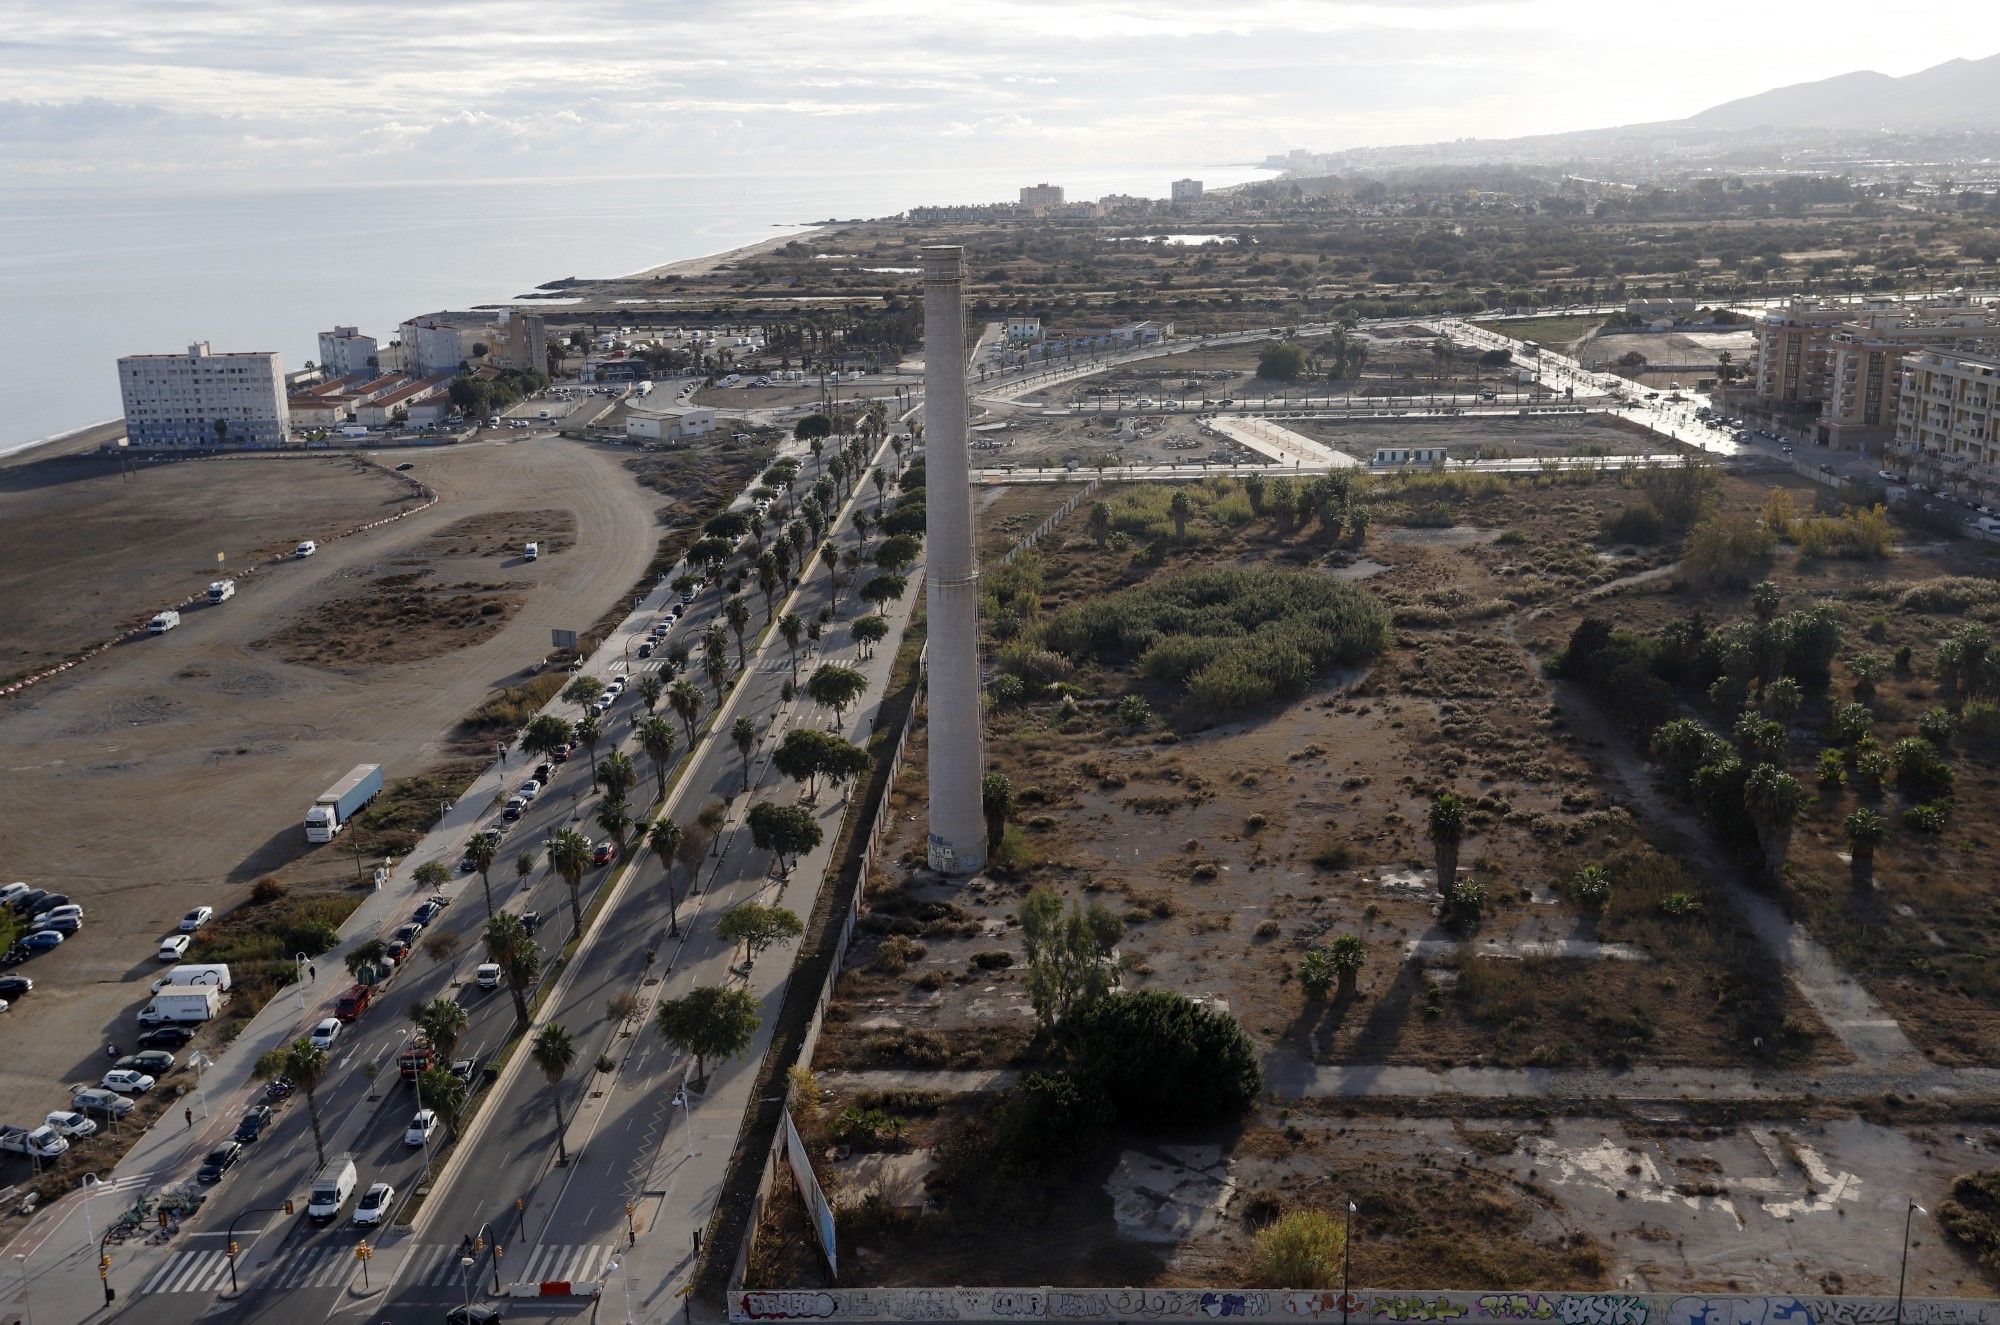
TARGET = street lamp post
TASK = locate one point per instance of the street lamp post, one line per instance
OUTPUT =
(465, 1277)
(1903, 1277)
(1346, 1257)
(88, 1182)
(27, 1307)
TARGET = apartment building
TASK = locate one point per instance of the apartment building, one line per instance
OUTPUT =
(1945, 423)
(1187, 190)
(434, 343)
(345, 352)
(1845, 359)
(1038, 196)
(204, 399)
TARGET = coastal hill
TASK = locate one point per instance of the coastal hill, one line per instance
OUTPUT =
(1958, 94)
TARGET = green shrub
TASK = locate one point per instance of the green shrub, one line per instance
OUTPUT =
(1726, 552)
(1972, 1215)
(1634, 524)
(1163, 1059)
(1929, 817)
(1920, 771)
(1056, 1118)
(1937, 725)
(1299, 1249)
(515, 706)
(1980, 719)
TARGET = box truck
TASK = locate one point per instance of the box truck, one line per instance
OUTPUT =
(221, 591)
(532, 552)
(195, 973)
(182, 1003)
(342, 801)
(163, 623)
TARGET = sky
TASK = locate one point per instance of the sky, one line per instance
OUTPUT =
(223, 93)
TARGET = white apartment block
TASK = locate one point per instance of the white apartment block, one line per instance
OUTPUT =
(204, 399)
(1187, 190)
(345, 352)
(1945, 423)
(431, 344)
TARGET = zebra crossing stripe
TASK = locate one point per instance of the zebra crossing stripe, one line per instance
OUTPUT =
(571, 1263)
(187, 1272)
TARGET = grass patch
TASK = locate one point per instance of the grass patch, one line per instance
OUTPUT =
(515, 706)
(408, 807)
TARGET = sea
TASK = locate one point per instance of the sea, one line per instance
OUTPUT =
(92, 273)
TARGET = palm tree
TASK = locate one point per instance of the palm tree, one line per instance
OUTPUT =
(305, 1067)
(996, 802)
(881, 488)
(1447, 827)
(1865, 830)
(715, 660)
(686, 703)
(481, 851)
(617, 775)
(737, 613)
(831, 556)
(768, 581)
(665, 837)
(569, 856)
(589, 735)
(744, 732)
(442, 1022)
(791, 628)
(1346, 954)
(862, 523)
(554, 1051)
(656, 739)
(614, 816)
(1180, 508)
(518, 957)
(1774, 799)
(1100, 524)
(650, 688)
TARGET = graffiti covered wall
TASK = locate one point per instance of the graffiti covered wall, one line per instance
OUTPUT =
(1360, 1307)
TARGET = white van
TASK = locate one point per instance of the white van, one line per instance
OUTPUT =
(196, 973)
(305, 549)
(532, 552)
(331, 1189)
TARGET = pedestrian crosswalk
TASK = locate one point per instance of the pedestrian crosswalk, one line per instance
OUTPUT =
(331, 1265)
(324, 1266)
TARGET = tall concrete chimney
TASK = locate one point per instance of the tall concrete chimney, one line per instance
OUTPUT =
(957, 760)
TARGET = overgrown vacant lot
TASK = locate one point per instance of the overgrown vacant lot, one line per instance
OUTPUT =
(400, 619)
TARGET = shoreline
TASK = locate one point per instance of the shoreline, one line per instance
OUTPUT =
(77, 441)
(702, 266)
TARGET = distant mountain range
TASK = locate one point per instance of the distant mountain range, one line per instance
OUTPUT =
(1958, 94)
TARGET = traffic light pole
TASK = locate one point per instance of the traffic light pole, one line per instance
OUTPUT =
(286, 1208)
(104, 1267)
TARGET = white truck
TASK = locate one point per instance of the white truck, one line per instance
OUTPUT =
(163, 622)
(532, 552)
(331, 1189)
(195, 973)
(182, 1003)
(43, 1142)
(339, 803)
(221, 591)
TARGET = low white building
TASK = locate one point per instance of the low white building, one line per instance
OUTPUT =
(204, 399)
(670, 425)
(1023, 330)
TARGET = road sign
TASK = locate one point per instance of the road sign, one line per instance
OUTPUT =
(562, 639)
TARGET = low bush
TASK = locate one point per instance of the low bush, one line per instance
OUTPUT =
(1161, 1058)
(1299, 1249)
(515, 706)
(1726, 552)
(1056, 1118)
(1972, 1215)
(1634, 524)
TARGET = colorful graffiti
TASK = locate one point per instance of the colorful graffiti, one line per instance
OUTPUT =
(1370, 1307)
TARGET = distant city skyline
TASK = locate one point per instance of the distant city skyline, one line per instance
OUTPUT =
(253, 91)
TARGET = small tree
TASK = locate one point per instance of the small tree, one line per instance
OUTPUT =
(757, 927)
(650, 687)
(1774, 799)
(1447, 829)
(1100, 523)
(545, 735)
(665, 837)
(1180, 508)
(1865, 830)
(1347, 954)
(869, 631)
(709, 1023)
(836, 687)
(1590, 887)
(1069, 950)
(617, 775)
(996, 802)
(784, 831)
(431, 875)
(583, 691)
(884, 589)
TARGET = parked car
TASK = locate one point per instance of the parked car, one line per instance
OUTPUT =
(174, 947)
(427, 913)
(13, 986)
(374, 1204)
(62, 924)
(530, 789)
(324, 1034)
(196, 918)
(220, 1160)
(646, 649)
(42, 940)
(50, 902)
(155, 1063)
(543, 772)
(66, 909)
(466, 1070)
(72, 1125)
(562, 752)
(127, 1081)
(397, 950)
(353, 1002)
(100, 1103)
(255, 1120)
(407, 933)
(421, 1127)
(166, 1037)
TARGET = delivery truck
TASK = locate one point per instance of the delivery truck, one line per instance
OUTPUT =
(532, 552)
(164, 622)
(343, 800)
(182, 1003)
(195, 973)
(331, 1189)
(221, 591)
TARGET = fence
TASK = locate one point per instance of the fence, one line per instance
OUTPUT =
(1357, 1307)
(1041, 530)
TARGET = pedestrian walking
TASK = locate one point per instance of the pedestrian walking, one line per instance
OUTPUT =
(697, 1243)
(311, 974)
(190, 1118)
(111, 1051)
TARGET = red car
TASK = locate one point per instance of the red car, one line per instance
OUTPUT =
(561, 753)
(603, 854)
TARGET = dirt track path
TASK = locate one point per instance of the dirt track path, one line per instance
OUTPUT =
(177, 770)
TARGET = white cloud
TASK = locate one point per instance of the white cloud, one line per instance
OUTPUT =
(211, 88)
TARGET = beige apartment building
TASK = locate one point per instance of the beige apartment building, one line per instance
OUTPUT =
(1945, 433)
(1846, 358)
(204, 399)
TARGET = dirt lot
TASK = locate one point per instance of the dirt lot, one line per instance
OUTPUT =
(197, 752)
(86, 552)
(1229, 847)
(1487, 438)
